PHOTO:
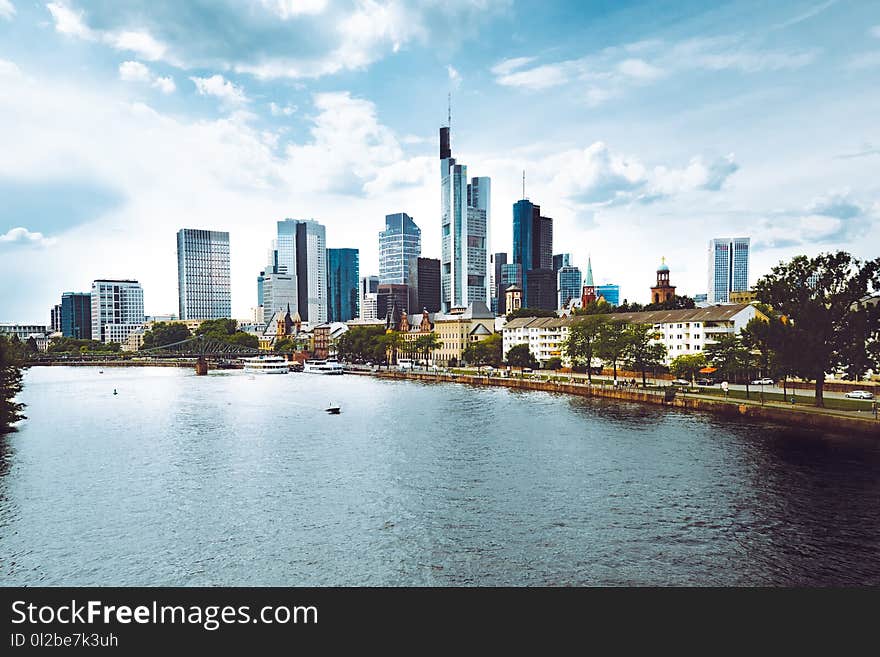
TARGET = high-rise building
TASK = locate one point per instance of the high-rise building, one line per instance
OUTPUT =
(311, 270)
(497, 305)
(55, 318)
(368, 289)
(343, 294)
(398, 244)
(561, 260)
(389, 296)
(541, 292)
(464, 224)
(424, 285)
(272, 267)
(76, 315)
(117, 309)
(568, 284)
(279, 293)
(203, 274)
(728, 267)
(610, 292)
(532, 243)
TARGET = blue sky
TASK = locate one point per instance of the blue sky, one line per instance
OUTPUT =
(645, 129)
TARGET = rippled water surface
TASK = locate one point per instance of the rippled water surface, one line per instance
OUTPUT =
(234, 479)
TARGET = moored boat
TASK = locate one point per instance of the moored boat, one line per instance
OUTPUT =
(330, 366)
(266, 365)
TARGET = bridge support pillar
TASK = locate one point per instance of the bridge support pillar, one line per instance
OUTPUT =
(201, 366)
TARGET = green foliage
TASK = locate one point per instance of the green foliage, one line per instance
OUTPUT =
(244, 339)
(519, 355)
(641, 352)
(820, 297)
(580, 345)
(391, 341)
(530, 312)
(11, 362)
(687, 366)
(676, 303)
(226, 330)
(597, 307)
(425, 344)
(612, 340)
(730, 356)
(554, 363)
(284, 346)
(485, 352)
(361, 343)
(77, 346)
(163, 333)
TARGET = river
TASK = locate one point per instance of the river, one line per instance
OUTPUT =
(239, 479)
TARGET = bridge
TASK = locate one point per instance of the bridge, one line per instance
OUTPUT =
(202, 348)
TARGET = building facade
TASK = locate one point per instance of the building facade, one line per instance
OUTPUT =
(532, 244)
(561, 260)
(461, 327)
(568, 284)
(76, 315)
(391, 296)
(118, 304)
(610, 292)
(55, 319)
(279, 292)
(311, 271)
(203, 284)
(23, 331)
(400, 242)
(728, 267)
(498, 261)
(541, 291)
(663, 291)
(343, 288)
(424, 285)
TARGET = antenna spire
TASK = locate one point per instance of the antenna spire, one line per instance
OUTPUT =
(449, 111)
(524, 183)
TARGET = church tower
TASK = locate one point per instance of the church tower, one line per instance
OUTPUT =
(663, 291)
(588, 294)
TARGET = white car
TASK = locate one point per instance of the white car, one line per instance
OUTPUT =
(763, 382)
(860, 394)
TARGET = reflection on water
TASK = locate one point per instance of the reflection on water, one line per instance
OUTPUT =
(245, 480)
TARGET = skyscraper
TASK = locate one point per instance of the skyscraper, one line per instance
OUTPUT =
(398, 244)
(532, 242)
(55, 318)
(203, 274)
(368, 290)
(542, 292)
(561, 260)
(568, 284)
(464, 225)
(497, 305)
(76, 315)
(311, 270)
(728, 267)
(343, 294)
(117, 309)
(279, 293)
(424, 285)
(610, 292)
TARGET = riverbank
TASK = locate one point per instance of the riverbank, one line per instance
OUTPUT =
(815, 418)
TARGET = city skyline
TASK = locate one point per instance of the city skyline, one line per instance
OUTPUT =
(652, 138)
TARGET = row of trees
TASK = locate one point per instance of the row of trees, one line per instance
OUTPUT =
(222, 330)
(12, 358)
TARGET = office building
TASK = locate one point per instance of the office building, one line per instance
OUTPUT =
(465, 214)
(400, 242)
(511, 274)
(22, 331)
(424, 285)
(389, 296)
(568, 284)
(118, 304)
(532, 244)
(203, 274)
(728, 267)
(498, 260)
(279, 293)
(76, 315)
(610, 292)
(368, 289)
(343, 293)
(561, 260)
(541, 291)
(55, 318)
(311, 270)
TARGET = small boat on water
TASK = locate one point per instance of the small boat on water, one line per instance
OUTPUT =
(329, 366)
(266, 365)
(333, 409)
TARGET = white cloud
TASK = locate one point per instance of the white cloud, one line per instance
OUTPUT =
(537, 78)
(69, 21)
(9, 69)
(7, 9)
(286, 9)
(639, 69)
(218, 86)
(509, 65)
(132, 71)
(282, 110)
(22, 235)
(141, 43)
(454, 77)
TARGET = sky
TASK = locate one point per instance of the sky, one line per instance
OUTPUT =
(644, 129)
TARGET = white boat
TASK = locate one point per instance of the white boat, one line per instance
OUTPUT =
(266, 365)
(330, 366)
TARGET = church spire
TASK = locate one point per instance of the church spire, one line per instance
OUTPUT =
(589, 280)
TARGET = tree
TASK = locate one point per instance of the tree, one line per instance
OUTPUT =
(162, 334)
(244, 339)
(597, 307)
(611, 343)
(757, 338)
(217, 328)
(730, 357)
(642, 352)
(425, 344)
(519, 355)
(554, 363)
(821, 297)
(686, 366)
(530, 312)
(11, 362)
(392, 341)
(361, 343)
(285, 346)
(580, 344)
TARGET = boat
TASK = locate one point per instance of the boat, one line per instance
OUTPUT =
(266, 365)
(329, 366)
(333, 409)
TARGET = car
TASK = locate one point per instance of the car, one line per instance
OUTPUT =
(680, 382)
(859, 394)
(705, 382)
(766, 381)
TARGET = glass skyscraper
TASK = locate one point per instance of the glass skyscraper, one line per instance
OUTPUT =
(343, 275)
(532, 242)
(117, 309)
(728, 267)
(609, 292)
(398, 244)
(561, 260)
(568, 284)
(203, 274)
(76, 315)
(464, 223)
(311, 270)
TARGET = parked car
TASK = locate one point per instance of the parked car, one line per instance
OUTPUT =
(680, 382)
(766, 381)
(859, 394)
(705, 382)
